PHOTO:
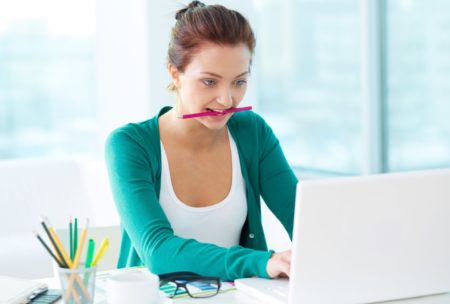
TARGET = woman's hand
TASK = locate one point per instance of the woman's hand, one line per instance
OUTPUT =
(279, 264)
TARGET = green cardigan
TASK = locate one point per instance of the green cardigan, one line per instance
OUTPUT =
(133, 159)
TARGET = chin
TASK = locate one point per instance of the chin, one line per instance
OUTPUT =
(215, 122)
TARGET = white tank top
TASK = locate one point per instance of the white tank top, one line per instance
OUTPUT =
(219, 224)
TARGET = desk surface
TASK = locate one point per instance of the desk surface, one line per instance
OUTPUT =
(238, 297)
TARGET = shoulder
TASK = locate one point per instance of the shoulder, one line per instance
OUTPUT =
(137, 133)
(250, 127)
(138, 141)
(252, 134)
(248, 121)
(144, 132)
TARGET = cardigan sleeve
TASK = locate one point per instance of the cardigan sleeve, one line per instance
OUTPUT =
(129, 168)
(277, 181)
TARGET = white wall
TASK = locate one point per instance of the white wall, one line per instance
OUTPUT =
(122, 63)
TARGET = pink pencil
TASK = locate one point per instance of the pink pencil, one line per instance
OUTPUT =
(201, 114)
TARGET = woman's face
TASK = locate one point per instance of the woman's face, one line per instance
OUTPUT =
(214, 80)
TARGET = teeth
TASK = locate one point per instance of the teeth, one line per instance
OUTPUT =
(212, 110)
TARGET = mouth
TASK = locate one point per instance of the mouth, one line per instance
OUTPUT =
(218, 111)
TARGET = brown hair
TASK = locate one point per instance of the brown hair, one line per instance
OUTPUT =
(198, 24)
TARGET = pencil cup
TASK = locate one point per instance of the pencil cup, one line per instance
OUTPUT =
(78, 285)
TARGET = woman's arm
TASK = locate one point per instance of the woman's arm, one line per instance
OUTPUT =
(133, 186)
(278, 186)
(277, 180)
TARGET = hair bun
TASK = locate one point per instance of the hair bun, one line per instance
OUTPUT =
(193, 4)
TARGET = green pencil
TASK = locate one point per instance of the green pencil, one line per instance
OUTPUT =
(75, 236)
(71, 239)
(89, 257)
(89, 253)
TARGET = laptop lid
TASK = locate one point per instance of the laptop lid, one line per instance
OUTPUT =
(15, 290)
(372, 238)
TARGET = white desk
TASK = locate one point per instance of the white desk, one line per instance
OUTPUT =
(238, 297)
(229, 297)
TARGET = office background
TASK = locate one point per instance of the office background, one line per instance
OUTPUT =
(350, 87)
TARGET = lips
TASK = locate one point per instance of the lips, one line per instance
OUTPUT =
(215, 110)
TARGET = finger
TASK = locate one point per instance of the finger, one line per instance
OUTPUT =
(288, 271)
(285, 269)
(283, 275)
(286, 257)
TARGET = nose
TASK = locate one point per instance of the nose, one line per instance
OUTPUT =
(226, 98)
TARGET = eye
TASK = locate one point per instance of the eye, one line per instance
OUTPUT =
(209, 82)
(240, 83)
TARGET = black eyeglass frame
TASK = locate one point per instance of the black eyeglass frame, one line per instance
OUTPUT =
(174, 277)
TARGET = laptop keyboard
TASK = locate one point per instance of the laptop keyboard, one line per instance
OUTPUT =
(279, 290)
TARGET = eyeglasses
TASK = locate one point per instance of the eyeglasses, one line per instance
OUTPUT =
(194, 285)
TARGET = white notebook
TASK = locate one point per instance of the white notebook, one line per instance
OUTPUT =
(18, 291)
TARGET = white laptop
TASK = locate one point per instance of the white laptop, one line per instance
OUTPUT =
(366, 239)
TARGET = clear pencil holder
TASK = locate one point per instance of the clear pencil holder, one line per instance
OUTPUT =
(77, 285)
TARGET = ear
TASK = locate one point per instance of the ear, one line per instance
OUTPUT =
(174, 74)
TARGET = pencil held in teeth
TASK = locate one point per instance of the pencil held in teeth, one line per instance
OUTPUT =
(212, 112)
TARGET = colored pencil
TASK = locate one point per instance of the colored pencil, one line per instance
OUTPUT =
(59, 254)
(101, 251)
(71, 238)
(89, 253)
(74, 265)
(211, 113)
(75, 236)
(63, 251)
(80, 247)
(48, 249)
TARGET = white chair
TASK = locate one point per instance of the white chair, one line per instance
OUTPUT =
(57, 189)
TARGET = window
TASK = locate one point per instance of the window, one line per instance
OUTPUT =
(418, 77)
(46, 77)
(309, 75)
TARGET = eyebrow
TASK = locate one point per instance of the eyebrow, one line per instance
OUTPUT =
(218, 76)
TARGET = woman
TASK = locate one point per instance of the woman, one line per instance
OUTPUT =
(188, 190)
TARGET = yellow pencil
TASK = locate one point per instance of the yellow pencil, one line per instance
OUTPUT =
(60, 246)
(66, 258)
(74, 265)
(76, 260)
(101, 252)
